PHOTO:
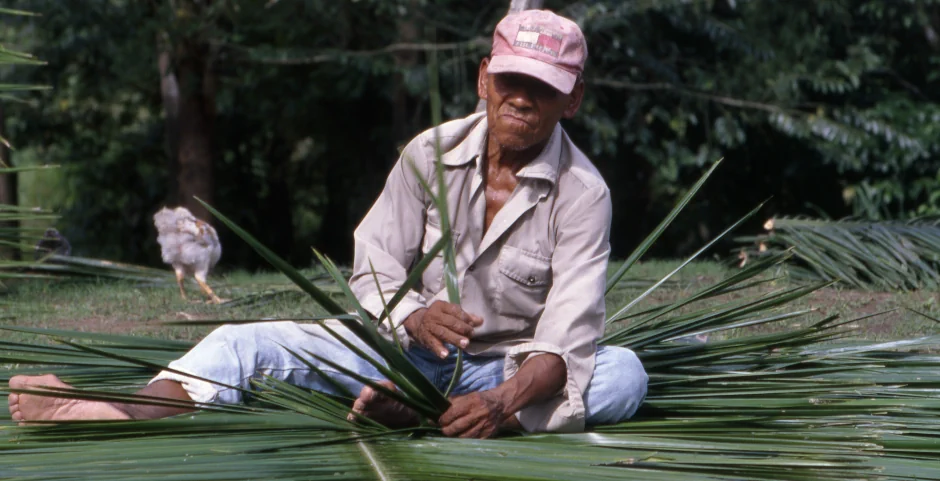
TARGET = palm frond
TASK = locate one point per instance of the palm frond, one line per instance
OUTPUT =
(417, 391)
(797, 412)
(883, 255)
(795, 405)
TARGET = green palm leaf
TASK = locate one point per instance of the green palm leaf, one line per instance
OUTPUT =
(887, 255)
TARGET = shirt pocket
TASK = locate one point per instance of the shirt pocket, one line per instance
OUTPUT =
(525, 280)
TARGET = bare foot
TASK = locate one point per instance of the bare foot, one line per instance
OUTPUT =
(32, 407)
(382, 409)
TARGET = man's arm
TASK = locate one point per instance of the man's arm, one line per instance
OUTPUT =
(484, 414)
(389, 237)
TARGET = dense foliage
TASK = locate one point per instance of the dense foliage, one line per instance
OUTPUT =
(829, 106)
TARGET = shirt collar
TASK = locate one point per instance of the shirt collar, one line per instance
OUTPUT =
(471, 148)
(544, 166)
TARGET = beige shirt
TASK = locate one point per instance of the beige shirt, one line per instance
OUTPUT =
(536, 277)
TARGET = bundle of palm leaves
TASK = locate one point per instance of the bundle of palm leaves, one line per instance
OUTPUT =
(804, 404)
(882, 255)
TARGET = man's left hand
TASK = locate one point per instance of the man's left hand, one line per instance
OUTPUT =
(483, 414)
(476, 415)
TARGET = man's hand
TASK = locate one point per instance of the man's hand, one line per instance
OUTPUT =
(483, 414)
(476, 415)
(441, 323)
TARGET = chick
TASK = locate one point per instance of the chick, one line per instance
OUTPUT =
(188, 244)
(52, 242)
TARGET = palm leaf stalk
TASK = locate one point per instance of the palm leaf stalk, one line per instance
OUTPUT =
(797, 412)
(883, 255)
(808, 424)
(797, 405)
(416, 391)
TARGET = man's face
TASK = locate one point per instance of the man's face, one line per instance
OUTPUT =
(522, 111)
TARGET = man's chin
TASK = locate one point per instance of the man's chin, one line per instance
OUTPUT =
(514, 143)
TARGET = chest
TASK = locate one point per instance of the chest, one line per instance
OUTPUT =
(498, 188)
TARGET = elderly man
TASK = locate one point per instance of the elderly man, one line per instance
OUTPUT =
(530, 220)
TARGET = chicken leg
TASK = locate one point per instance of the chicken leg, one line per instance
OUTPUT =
(179, 282)
(201, 280)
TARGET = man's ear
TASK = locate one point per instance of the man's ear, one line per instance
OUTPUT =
(574, 99)
(481, 79)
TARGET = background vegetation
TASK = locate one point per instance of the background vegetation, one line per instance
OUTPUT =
(287, 114)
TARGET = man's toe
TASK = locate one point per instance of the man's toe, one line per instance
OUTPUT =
(368, 395)
(17, 382)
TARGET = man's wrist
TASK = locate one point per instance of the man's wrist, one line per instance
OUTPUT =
(410, 322)
(507, 395)
(527, 387)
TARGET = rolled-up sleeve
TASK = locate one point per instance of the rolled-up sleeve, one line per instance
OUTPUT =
(573, 318)
(390, 237)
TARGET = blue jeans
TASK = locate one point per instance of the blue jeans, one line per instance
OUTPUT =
(233, 354)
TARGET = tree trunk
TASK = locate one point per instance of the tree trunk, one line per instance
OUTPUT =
(403, 127)
(170, 93)
(8, 186)
(187, 88)
(931, 21)
(514, 6)
(520, 5)
(196, 116)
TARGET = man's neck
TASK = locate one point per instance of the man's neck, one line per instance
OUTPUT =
(500, 157)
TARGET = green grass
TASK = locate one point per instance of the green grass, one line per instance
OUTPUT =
(140, 309)
(137, 309)
(891, 314)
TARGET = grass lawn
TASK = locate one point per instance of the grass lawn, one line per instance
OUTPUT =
(142, 309)
(776, 406)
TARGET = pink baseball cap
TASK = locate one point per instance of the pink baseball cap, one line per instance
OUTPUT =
(540, 44)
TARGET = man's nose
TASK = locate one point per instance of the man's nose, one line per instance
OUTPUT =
(520, 99)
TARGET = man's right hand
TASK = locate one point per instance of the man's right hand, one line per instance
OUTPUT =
(441, 323)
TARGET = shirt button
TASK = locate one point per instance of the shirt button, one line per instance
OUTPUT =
(472, 268)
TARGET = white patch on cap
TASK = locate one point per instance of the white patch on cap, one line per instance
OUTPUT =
(538, 38)
(527, 37)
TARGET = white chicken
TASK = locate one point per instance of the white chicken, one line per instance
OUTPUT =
(188, 244)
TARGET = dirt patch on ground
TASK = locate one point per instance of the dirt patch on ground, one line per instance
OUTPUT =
(832, 301)
(880, 314)
(158, 327)
(103, 325)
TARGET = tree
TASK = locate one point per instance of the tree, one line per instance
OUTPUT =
(808, 102)
(188, 84)
(812, 105)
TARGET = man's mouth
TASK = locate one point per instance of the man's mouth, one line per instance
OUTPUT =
(516, 120)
